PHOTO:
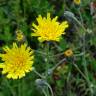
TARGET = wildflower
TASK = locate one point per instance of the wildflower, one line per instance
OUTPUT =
(69, 14)
(49, 29)
(1, 65)
(17, 61)
(77, 2)
(40, 83)
(19, 35)
(68, 52)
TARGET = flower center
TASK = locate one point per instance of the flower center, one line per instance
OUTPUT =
(20, 61)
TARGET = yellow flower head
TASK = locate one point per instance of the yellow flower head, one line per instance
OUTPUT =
(19, 35)
(68, 53)
(77, 2)
(17, 61)
(49, 29)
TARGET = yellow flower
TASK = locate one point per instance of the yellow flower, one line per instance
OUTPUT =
(49, 29)
(68, 52)
(19, 35)
(77, 2)
(17, 61)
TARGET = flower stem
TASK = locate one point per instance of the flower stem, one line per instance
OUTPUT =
(37, 73)
(44, 92)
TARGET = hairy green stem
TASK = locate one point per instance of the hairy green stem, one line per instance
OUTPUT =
(84, 51)
(44, 92)
(37, 73)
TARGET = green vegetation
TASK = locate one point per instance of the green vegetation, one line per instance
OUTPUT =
(56, 72)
